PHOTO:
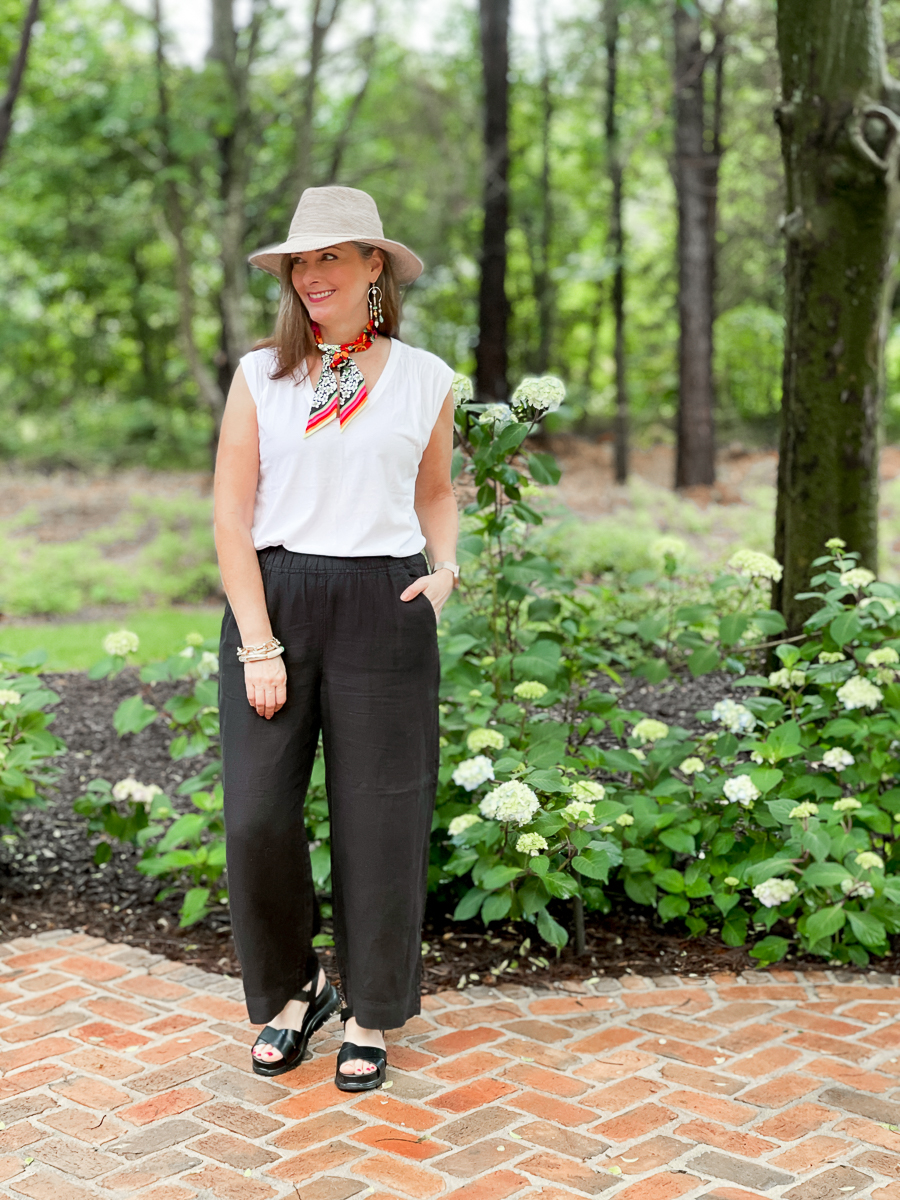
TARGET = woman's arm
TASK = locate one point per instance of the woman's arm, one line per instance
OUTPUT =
(436, 509)
(237, 472)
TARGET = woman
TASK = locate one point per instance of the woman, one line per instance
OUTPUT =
(333, 474)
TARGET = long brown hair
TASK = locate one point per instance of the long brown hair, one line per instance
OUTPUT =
(293, 338)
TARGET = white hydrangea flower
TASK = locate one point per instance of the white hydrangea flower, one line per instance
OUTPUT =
(669, 545)
(649, 730)
(638, 754)
(835, 543)
(538, 394)
(858, 888)
(194, 639)
(731, 881)
(530, 689)
(885, 675)
(531, 843)
(187, 652)
(859, 693)
(847, 804)
(885, 656)
(9, 696)
(869, 861)
(832, 656)
(624, 819)
(460, 824)
(756, 756)
(691, 766)
(891, 607)
(857, 577)
(837, 758)
(131, 789)
(473, 772)
(774, 892)
(588, 790)
(497, 415)
(578, 812)
(806, 809)
(208, 664)
(513, 801)
(753, 564)
(463, 391)
(741, 790)
(485, 739)
(121, 642)
(735, 717)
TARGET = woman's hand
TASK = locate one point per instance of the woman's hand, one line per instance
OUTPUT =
(266, 683)
(437, 588)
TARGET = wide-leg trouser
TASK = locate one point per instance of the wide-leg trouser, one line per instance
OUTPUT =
(362, 667)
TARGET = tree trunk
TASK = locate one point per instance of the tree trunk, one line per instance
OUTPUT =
(212, 396)
(233, 145)
(616, 235)
(544, 291)
(840, 138)
(696, 169)
(493, 309)
(322, 16)
(16, 75)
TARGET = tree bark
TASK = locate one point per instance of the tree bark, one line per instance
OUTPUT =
(544, 291)
(611, 14)
(322, 16)
(491, 362)
(696, 170)
(840, 138)
(16, 75)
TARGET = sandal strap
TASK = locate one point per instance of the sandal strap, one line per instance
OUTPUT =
(346, 1013)
(372, 1054)
(285, 1041)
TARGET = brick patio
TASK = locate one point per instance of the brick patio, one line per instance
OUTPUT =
(123, 1073)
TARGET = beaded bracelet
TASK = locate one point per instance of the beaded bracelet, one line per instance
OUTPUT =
(270, 649)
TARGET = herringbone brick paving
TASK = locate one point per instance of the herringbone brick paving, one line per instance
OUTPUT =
(123, 1073)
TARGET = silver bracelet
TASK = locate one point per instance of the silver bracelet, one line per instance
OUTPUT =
(270, 649)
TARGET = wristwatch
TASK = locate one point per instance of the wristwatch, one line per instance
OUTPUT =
(450, 566)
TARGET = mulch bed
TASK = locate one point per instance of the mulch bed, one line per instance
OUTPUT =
(48, 878)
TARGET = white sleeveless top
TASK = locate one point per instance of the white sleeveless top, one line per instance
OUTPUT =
(344, 492)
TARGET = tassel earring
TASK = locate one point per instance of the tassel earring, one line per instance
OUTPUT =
(375, 313)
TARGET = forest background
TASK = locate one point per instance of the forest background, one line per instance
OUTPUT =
(129, 172)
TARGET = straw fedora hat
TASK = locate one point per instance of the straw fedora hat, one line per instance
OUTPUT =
(328, 215)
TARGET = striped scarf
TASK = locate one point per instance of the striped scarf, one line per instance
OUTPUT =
(341, 390)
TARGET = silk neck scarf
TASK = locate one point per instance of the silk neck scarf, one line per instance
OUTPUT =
(341, 390)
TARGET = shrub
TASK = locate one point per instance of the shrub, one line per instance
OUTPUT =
(26, 745)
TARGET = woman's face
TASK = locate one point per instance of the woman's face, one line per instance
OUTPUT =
(333, 283)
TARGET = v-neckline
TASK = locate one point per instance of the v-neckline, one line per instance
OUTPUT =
(385, 371)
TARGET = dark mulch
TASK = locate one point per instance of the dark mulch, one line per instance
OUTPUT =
(48, 878)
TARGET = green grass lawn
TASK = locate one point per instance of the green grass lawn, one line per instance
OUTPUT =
(77, 645)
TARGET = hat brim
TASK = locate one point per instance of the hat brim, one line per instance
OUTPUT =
(407, 266)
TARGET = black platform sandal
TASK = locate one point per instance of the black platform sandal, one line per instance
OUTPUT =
(292, 1043)
(372, 1054)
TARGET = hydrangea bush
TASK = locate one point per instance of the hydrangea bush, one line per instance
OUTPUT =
(27, 747)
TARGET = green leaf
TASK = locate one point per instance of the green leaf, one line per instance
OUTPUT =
(543, 468)
(673, 906)
(496, 907)
(498, 877)
(702, 661)
(825, 874)
(845, 627)
(771, 949)
(868, 929)
(132, 716)
(731, 627)
(551, 931)
(734, 929)
(766, 778)
(669, 880)
(469, 904)
(654, 670)
(679, 840)
(594, 864)
(640, 888)
(825, 922)
(194, 906)
(561, 885)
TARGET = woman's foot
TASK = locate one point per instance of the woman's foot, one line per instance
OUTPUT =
(290, 1017)
(361, 1037)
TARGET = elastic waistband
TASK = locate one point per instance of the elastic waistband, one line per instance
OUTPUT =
(277, 558)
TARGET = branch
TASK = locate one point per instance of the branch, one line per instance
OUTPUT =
(864, 129)
(16, 75)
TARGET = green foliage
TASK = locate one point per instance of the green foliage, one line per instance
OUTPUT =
(26, 744)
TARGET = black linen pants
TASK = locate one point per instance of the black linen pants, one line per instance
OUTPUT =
(362, 667)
